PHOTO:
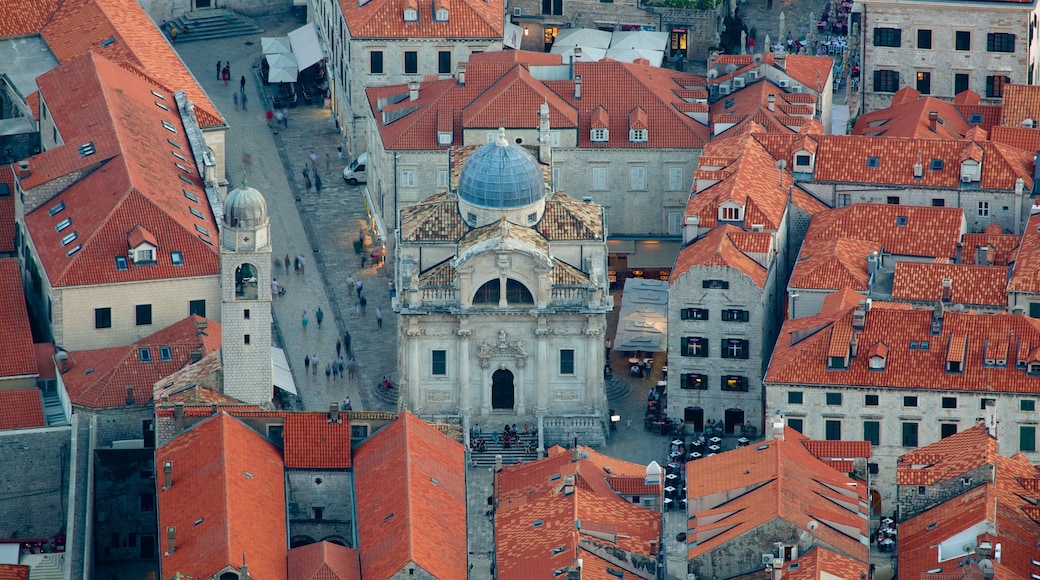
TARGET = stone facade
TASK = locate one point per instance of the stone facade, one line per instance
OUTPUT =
(169, 9)
(320, 507)
(124, 505)
(743, 554)
(920, 25)
(699, 27)
(542, 20)
(914, 500)
(37, 460)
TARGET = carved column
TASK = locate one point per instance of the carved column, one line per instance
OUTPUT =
(520, 351)
(542, 372)
(465, 404)
(413, 386)
(593, 370)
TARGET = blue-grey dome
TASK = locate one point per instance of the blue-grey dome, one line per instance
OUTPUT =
(501, 175)
(245, 207)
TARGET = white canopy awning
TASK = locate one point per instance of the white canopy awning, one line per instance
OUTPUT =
(281, 374)
(643, 319)
(588, 54)
(583, 37)
(656, 57)
(640, 39)
(305, 45)
(282, 68)
(275, 44)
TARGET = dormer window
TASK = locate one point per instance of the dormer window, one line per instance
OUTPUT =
(142, 245)
(803, 162)
(411, 15)
(731, 212)
(600, 135)
(444, 137)
(440, 15)
(637, 135)
(969, 171)
(877, 356)
(144, 254)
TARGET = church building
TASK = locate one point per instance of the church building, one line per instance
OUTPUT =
(502, 297)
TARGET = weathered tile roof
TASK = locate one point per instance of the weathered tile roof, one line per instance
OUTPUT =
(811, 71)
(971, 285)
(503, 230)
(566, 218)
(948, 458)
(833, 263)
(434, 219)
(324, 561)
(803, 347)
(14, 572)
(1025, 274)
(411, 479)
(748, 110)
(18, 358)
(1017, 137)
(717, 249)
(226, 501)
(563, 274)
(99, 378)
(312, 441)
(1001, 247)
(135, 180)
(542, 526)
(22, 409)
(904, 230)
(7, 210)
(384, 19)
(826, 449)
(735, 492)
(907, 116)
(518, 86)
(1020, 102)
(820, 563)
(440, 275)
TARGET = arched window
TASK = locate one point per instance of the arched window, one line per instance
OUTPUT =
(517, 293)
(229, 576)
(246, 282)
(489, 293)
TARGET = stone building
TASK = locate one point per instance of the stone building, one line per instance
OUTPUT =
(502, 297)
(542, 20)
(966, 45)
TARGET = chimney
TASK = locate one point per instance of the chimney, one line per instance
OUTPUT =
(778, 568)
(462, 75)
(171, 535)
(983, 259)
(853, 346)
(771, 99)
(178, 416)
(933, 119)
(498, 462)
(691, 228)
(214, 409)
(859, 317)
(937, 318)
(167, 469)
(575, 454)
(201, 324)
(544, 143)
(130, 399)
(778, 427)
(991, 418)
(577, 86)
(334, 412)
(245, 567)
(195, 355)
(413, 91)
(947, 289)
(62, 358)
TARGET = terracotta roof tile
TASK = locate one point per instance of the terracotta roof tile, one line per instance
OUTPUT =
(227, 499)
(536, 519)
(99, 378)
(382, 19)
(411, 480)
(837, 449)
(18, 358)
(1018, 137)
(139, 183)
(1020, 102)
(313, 442)
(947, 458)
(324, 561)
(1025, 274)
(503, 230)
(1001, 247)
(7, 210)
(566, 218)
(25, 18)
(716, 249)
(972, 285)
(819, 563)
(22, 409)
(735, 492)
(748, 110)
(903, 230)
(811, 71)
(434, 219)
(525, 92)
(44, 352)
(840, 465)
(13, 571)
(910, 118)
(833, 263)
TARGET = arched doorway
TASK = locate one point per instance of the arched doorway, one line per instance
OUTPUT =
(875, 503)
(502, 390)
(734, 420)
(694, 418)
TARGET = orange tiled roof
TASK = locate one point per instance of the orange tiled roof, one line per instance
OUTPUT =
(748, 110)
(1020, 102)
(811, 71)
(1025, 274)
(733, 493)
(903, 230)
(909, 118)
(537, 529)
(567, 218)
(717, 249)
(947, 458)
(825, 449)
(1000, 246)
(383, 19)
(411, 480)
(802, 359)
(833, 263)
(96, 101)
(18, 358)
(7, 210)
(313, 442)
(974, 285)
(1018, 137)
(819, 562)
(14, 572)
(227, 499)
(22, 409)
(324, 561)
(44, 352)
(99, 378)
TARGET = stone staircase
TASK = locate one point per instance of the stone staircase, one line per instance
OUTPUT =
(53, 411)
(509, 456)
(45, 566)
(616, 388)
(215, 23)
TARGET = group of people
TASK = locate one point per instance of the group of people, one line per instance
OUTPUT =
(510, 436)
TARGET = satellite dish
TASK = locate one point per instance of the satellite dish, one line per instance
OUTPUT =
(757, 58)
(731, 68)
(713, 74)
(813, 524)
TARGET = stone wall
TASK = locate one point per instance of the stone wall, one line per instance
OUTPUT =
(330, 491)
(913, 503)
(33, 489)
(124, 504)
(701, 26)
(743, 554)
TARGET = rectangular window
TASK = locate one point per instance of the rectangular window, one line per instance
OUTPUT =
(675, 223)
(375, 62)
(909, 401)
(872, 432)
(924, 82)
(675, 179)
(794, 397)
(554, 7)
(949, 402)
(730, 214)
(694, 314)
(440, 363)
(734, 383)
(411, 62)
(444, 62)
(796, 424)
(910, 434)
(1026, 438)
(802, 160)
(197, 307)
(567, 361)
(245, 313)
(165, 353)
(734, 348)
(735, 315)
(144, 355)
(143, 314)
(887, 37)
(844, 199)
(1027, 405)
(983, 209)
(246, 339)
(177, 258)
(924, 39)
(407, 178)
(833, 398)
(694, 346)
(1000, 42)
(637, 177)
(832, 429)
(148, 502)
(102, 318)
(599, 178)
(721, 285)
(962, 40)
(693, 381)
(886, 81)
(961, 84)
(947, 429)
(893, 200)
(938, 202)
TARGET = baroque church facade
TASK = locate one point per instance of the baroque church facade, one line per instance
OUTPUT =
(502, 298)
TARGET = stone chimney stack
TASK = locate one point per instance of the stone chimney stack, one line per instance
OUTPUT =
(778, 427)
(933, 120)
(334, 412)
(178, 416)
(167, 474)
(771, 99)
(544, 139)
(413, 91)
(130, 399)
(171, 535)
(577, 87)
(462, 75)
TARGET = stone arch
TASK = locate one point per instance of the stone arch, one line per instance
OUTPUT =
(490, 293)
(246, 282)
(300, 540)
(340, 540)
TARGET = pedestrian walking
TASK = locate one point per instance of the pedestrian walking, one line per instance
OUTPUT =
(278, 117)
(328, 161)
(328, 371)
(306, 172)
(285, 117)
(317, 182)
(314, 160)
(351, 369)
(335, 372)
(296, 265)
(307, 184)
(357, 306)
(361, 236)
(342, 364)
(287, 263)
(346, 342)
(319, 315)
(226, 75)
(314, 364)
(304, 320)
(306, 364)
(364, 302)
(303, 264)
(234, 98)
(247, 162)
(379, 316)
(219, 67)
(339, 347)
(358, 286)
(245, 101)
(242, 84)
(274, 287)
(363, 258)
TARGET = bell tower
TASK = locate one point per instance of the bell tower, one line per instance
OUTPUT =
(245, 297)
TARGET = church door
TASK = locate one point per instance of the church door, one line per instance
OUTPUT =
(502, 394)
